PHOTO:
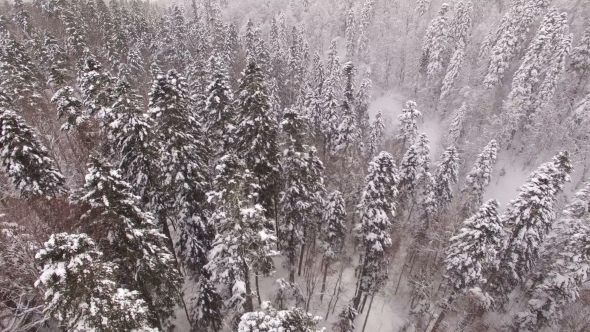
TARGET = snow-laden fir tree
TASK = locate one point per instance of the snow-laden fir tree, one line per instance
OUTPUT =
(460, 34)
(478, 179)
(535, 80)
(561, 283)
(219, 108)
(456, 127)
(302, 200)
(350, 35)
(505, 43)
(445, 177)
(347, 129)
(144, 262)
(271, 320)
(376, 208)
(26, 160)
(207, 311)
(435, 44)
(81, 291)
(376, 135)
(473, 250)
(70, 108)
(408, 125)
(329, 116)
(580, 56)
(242, 246)
(362, 103)
(256, 134)
(346, 319)
(415, 163)
(96, 86)
(54, 58)
(529, 219)
(181, 167)
(333, 232)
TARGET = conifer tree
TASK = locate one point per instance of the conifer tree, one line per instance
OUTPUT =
(408, 131)
(269, 320)
(346, 322)
(219, 108)
(329, 117)
(560, 283)
(333, 231)
(445, 176)
(435, 44)
(376, 135)
(69, 107)
(350, 35)
(376, 206)
(478, 179)
(529, 218)
(96, 87)
(473, 250)
(347, 129)
(256, 134)
(580, 56)
(143, 261)
(456, 129)
(414, 166)
(81, 291)
(182, 167)
(26, 160)
(207, 309)
(362, 103)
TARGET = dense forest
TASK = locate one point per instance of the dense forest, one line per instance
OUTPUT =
(295, 165)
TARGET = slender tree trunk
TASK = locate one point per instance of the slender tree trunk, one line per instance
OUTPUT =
(401, 274)
(335, 290)
(324, 282)
(257, 289)
(291, 256)
(368, 312)
(302, 251)
(249, 304)
(364, 302)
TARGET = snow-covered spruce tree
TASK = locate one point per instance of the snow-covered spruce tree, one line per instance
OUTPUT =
(415, 164)
(144, 262)
(302, 200)
(535, 80)
(81, 291)
(346, 319)
(560, 283)
(376, 135)
(26, 160)
(478, 179)
(362, 103)
(129, 134)
(219, 108)
(347, 129)
(70, 108)
(270, 320)
(376, 206)
(96, 87)
(460, 34)
(435, 44)
(256, 134)
(580, 56)
(529, 218)
(350, 35)
(408, 126)
(20, 77)
(182, 167)
(54, 58)
(333, 232)
(313, 103)
(445, 176)
(456, 126)
(206, 312)
(329, 116)
(505, 43)
(472, 251)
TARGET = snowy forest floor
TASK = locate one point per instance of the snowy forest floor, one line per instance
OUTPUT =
(389, 310)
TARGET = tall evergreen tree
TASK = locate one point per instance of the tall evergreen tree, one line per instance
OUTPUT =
(143, 261)
(408, 127)
(456, 129)
(529, 218)
(26, 160)
(473, 250)
(256, 134)
(435, 44)
(96, 87)
(478, 179)
(376, 208)
(580, 56)
(376, 135)
(445, 176)
(219, 108)
(71, 108)
(414, 166)
(81, 291)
